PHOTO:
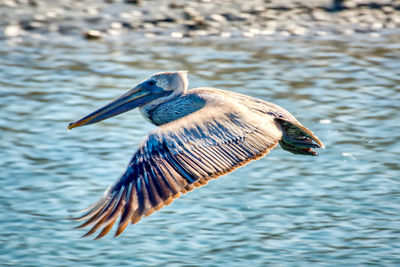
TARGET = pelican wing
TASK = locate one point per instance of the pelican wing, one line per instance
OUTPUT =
(179, 156)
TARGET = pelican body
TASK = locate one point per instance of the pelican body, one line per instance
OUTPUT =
(203, 133)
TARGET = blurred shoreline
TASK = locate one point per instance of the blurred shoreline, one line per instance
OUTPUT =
(92, 19)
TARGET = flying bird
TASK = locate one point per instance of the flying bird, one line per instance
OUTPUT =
(202, 134)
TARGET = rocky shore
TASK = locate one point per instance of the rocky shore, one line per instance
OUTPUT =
(95, 19)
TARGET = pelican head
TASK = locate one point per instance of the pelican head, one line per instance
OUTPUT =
(156, 89)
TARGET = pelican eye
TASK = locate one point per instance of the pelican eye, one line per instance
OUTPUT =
(151, 83)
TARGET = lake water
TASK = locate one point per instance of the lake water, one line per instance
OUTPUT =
(340, 208)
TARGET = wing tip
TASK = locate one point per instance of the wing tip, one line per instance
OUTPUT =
(121, 228)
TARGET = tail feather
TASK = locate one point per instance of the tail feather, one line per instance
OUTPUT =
(298, 139)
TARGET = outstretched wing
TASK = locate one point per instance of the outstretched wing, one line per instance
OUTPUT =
(179, 156)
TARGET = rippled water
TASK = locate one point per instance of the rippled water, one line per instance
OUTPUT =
(283, 210)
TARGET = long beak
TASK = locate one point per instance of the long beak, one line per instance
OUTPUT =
(132, 99)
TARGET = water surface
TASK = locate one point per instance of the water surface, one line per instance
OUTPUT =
(283, 210)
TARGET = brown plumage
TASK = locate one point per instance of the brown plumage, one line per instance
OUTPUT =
(203, 133)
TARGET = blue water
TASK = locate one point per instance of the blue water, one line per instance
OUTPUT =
(341, 208)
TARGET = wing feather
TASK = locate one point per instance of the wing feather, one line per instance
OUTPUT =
(180, 156)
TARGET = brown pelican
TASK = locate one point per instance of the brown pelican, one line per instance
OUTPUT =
(203, 133)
